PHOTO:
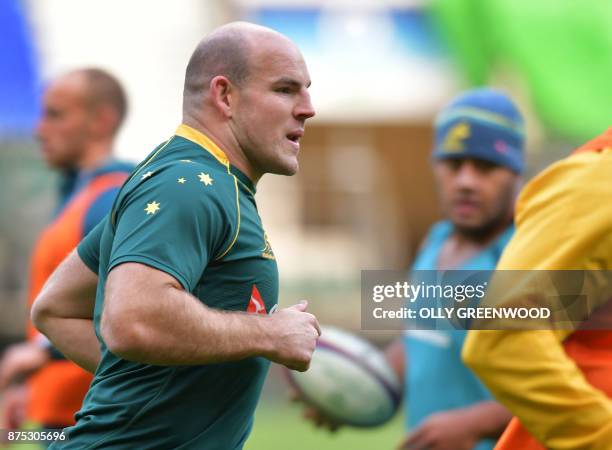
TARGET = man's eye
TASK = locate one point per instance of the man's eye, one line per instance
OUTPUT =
(53, 114)
(284, 90)
(453, 164)
(484, 166)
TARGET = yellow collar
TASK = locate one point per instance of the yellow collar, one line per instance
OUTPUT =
(193, 135)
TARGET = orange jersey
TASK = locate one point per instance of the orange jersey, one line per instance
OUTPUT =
(57, 389)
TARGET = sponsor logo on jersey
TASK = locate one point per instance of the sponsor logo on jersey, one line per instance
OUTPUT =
(256, 303)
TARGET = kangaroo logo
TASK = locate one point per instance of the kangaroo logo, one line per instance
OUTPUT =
(256, 303)
(455, 137)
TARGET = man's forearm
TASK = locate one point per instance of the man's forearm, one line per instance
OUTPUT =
(530, 373)
(394, 352)
(489, 418)
(75, 339)
(64, 308)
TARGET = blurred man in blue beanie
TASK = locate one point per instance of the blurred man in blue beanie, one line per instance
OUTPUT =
(477, 161)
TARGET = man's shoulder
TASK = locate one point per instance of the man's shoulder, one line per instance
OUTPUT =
(115, 166)
(198, 185)
(427, 252)
(190, 175)
(577, 170)
(111, 173)
(438, 232)
(578, 181)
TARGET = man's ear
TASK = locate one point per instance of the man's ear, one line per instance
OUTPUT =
(105, 120)
(518, 186)
(222, 94)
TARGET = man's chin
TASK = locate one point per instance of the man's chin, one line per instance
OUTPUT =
(476, 230)
(467, 224)
(288, 168)
(53, 164)
(465, 221)
(286, 173)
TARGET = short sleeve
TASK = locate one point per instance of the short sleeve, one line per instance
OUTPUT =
(89, 248)
(172, 222)
(99, 208)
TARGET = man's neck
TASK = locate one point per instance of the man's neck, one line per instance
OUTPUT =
(226, 141)
(461, 247)
(96, 155)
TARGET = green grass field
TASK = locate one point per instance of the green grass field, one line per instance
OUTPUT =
(279, 426)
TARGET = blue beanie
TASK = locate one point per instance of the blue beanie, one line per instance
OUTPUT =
(482, 124)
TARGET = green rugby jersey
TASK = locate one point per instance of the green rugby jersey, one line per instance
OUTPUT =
(188, 212)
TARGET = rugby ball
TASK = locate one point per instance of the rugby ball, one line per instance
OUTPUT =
(349, 380)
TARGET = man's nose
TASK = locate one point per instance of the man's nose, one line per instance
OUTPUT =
(467, 175)
(304, 109)
(39, 131)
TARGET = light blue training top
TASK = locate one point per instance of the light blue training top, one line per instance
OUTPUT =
(436, 379)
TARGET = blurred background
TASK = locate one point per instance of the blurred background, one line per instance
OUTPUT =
(364, 197)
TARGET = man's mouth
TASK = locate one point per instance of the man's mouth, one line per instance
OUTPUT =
(295, 136)
(465, 206)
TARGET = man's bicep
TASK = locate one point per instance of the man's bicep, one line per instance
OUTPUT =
(134, 294)
(131, 286)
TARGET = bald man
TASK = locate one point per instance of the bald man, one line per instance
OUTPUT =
(169, 300)
(82, 112)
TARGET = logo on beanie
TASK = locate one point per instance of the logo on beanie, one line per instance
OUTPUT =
(501, 147)
(453, 142)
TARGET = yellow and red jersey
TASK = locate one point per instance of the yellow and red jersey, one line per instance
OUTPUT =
(557, 383)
